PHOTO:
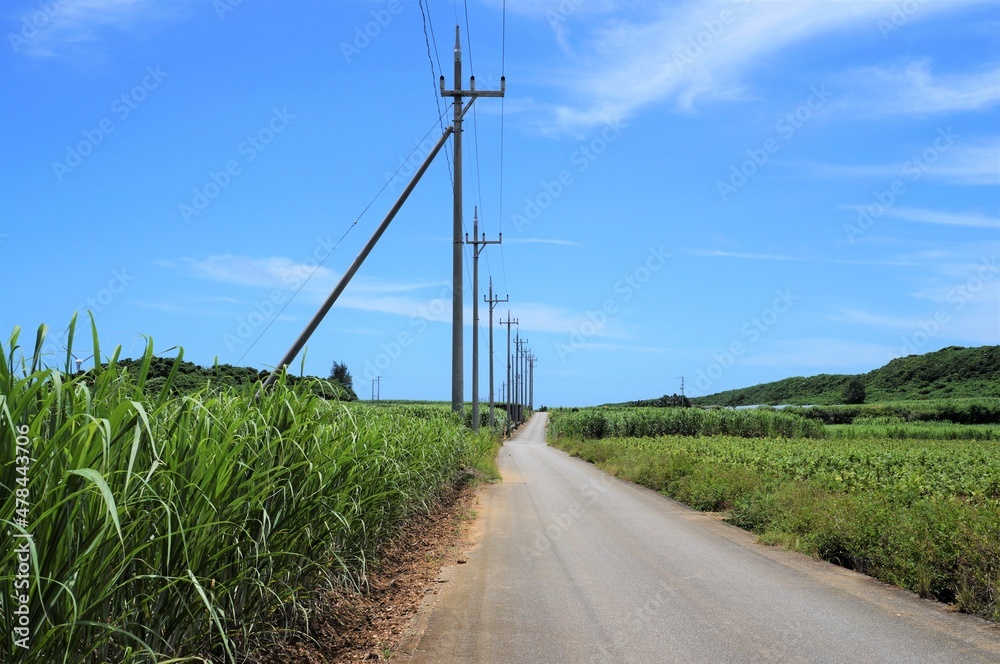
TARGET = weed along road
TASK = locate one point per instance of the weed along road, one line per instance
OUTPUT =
(575, 566)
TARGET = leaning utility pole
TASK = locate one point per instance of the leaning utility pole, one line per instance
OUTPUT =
(317, 318)
(508, 323)
(493, 303)
(477, 248)
(457, 332)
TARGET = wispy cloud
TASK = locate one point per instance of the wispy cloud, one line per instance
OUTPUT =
(260, 272)
(740, 255)
(538, 240)
(971, 162)
(70, 25)
(430, 301)
(691, 51)
(915, 90)
(971, 219)
(846, 315)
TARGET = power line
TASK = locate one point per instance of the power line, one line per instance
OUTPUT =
(503, 75)
(429, 26)
(334, 248)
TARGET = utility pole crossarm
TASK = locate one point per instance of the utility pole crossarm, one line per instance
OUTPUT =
(472, 92)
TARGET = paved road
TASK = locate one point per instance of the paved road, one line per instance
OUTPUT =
(575, 566)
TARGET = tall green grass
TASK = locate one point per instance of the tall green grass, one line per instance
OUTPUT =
(193, 527)
(640, 422)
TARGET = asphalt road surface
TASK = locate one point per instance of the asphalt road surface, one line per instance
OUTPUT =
(575, 566)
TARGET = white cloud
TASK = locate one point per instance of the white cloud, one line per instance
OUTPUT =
(877, 320)
(538, 240)
(717, 253)
(915, 90)
(67, 24)
(692, 51)
(372, 294)
(262, 272)
(973, 161)
(970, 219)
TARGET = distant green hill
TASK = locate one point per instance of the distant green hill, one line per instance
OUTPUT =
(952, 372)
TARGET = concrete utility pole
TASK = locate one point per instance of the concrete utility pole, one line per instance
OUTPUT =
(457, 385)
(524, 380)
(508, 323)
(519, 383)
(493, 303)
(531, 382)
(522, 376)
(477, 248)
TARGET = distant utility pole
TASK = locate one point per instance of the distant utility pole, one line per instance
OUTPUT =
(377, 380)
(682, 385)
(508, 323)
(516, 377)
(524, 380)
(493, 303)
(477, 248)
(522, 377)
(531, 382)
(458, 94)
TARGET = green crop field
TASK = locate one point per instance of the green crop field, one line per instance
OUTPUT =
(141, 525)
(914, 504)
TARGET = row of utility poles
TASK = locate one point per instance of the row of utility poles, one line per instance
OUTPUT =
(519, 396)
(520, 365)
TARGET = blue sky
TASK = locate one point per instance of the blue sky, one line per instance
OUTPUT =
(733, 192)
